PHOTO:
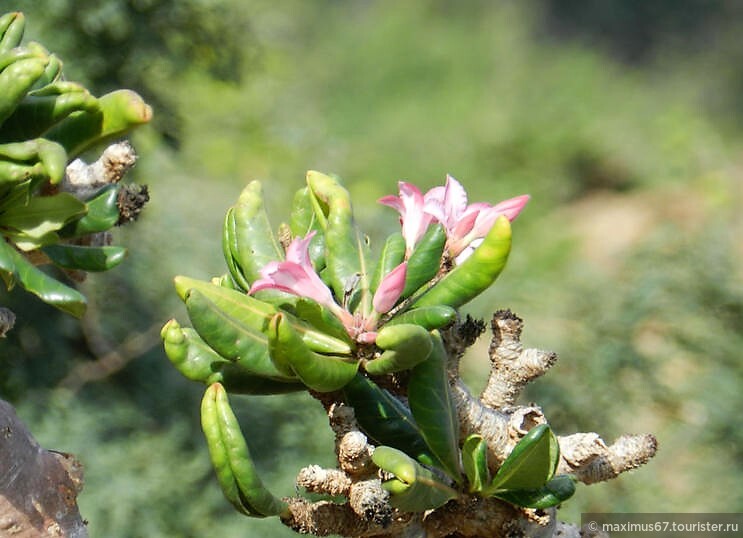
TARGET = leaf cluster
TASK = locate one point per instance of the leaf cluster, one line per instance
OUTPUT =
(46, 121)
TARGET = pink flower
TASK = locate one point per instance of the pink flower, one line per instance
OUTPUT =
(411, 206)
(466, 225)
(390, 289)
(296, 275)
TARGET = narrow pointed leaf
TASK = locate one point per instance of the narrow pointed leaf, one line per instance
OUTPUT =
(432, 405)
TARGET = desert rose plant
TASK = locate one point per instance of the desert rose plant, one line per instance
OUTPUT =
(56, 209)
(376, 340)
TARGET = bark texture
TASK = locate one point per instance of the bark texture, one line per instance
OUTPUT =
(494, 414)
(38, 487)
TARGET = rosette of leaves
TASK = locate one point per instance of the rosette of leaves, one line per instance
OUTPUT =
(45, 122)
(336, 340)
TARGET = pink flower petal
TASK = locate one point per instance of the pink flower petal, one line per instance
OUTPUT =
(390, 289)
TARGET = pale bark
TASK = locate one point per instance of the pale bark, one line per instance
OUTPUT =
(497, 417)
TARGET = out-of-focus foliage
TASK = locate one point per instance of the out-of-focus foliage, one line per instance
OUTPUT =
(147, 44)
(636, 168)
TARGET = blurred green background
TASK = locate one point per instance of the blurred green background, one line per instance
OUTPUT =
(621, 118)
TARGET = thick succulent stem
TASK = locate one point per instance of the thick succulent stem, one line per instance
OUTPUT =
(497, 417)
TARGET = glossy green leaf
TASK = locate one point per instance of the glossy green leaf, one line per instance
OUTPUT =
(425, 260)
(229, 247)
(554, 492)
(404, 347)
(415, 488)
(189, 353)
(41, 109)
(254, 241)
(304, 220)
(85, 258)
(385, 419)
(118, 112)
(231, 458)
(102, 214)
(236, 380)
(197, 361)
(231, 338)
(289, 353)
(42, 214)
(392, 255)
(50, 155)
(432, 405)
(345, 252)
(473, 276)
(218, 452)
(531, 463)
(15, 268)
(16, 80)
(429, 317)
(475, 462)
(257, 314)
(322, 320)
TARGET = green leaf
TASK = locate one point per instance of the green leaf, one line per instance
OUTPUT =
(42, 214)
(385, 419)
(254, 242)
(345, 252)
(102, 213)
(425, 259)
(236, 380)
(404, 346)
(531, 464)
(392, 255)
(554, 492)
(323, 320)
(305, 220)
(432, 405)
(291, 355)
(231, 458)
(416, 489)
(258, 314)
(476, 274)
(429, 317)
(85, 258)
(475, 462)
(15, 268)
(188, 352)
(231, 338)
